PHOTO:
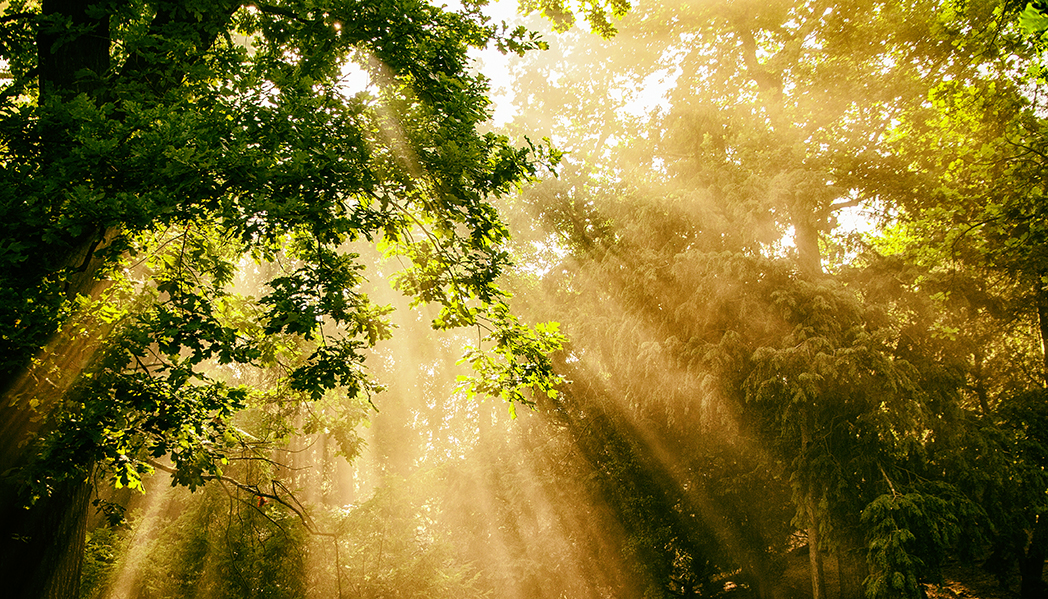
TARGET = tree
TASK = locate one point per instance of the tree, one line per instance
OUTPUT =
(976, 231)
(160, 145)
(705, 266)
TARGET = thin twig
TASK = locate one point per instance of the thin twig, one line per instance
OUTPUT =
(307, 521)
(890, 485)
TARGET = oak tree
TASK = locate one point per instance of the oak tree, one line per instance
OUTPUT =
(150, 149)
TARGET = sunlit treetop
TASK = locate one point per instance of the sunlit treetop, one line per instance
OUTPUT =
(600, 14)
(800, 100)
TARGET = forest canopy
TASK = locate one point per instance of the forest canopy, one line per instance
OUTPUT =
(790, 258)
(803, 260)
(151, 151)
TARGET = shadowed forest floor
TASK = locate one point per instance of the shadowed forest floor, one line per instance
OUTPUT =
(972, 581)
(960, 581)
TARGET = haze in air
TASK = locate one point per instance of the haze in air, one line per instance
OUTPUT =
(298, 311)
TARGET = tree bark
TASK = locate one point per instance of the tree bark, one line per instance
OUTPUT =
(818, 575)
(980, 383)
(72, 48)
(1032, 585)
(41, 550)
(41, 547)
(806, 237)
(1032, 567)
(1042, 326)
(807, 217)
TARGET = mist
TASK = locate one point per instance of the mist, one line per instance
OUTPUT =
(796, 254)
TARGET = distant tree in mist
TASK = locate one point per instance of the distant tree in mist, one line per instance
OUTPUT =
(704, 267)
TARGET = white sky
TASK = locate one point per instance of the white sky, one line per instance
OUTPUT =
(495, 66)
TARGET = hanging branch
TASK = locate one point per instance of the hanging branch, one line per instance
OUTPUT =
(890, 485)
(254, 490)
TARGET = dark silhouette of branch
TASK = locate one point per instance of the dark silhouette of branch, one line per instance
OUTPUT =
(276, 487)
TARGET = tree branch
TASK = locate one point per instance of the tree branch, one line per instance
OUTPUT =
(299, 511)
(279, 11)
(890, 485)
(845, 204)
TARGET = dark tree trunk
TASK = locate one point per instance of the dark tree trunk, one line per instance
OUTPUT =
(980, 383)
(818, 575)
(1032, 567)
(816, 570)
(41, 547)
(1042, 326)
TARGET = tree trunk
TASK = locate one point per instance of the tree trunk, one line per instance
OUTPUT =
(980, 382)
(818, 575)
(806, 192)
(806, 238)
(1042, 325)
(42, 547)
(1032, 567)
(71, 64)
